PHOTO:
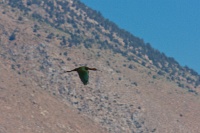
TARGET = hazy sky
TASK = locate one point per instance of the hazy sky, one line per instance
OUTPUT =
(171, 26)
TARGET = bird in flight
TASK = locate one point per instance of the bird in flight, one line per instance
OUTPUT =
(83, 73)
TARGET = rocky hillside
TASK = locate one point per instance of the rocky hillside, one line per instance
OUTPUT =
(26, 108)
(138, 89)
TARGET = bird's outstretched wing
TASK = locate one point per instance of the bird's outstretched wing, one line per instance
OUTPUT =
(83, 73)
(70, 70)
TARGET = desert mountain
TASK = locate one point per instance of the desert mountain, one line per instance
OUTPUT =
(26, 108)
(137, 90)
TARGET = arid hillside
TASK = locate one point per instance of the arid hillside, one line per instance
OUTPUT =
(26, 108)
(137, 90)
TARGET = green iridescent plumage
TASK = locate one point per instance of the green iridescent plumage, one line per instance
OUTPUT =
(83, 73)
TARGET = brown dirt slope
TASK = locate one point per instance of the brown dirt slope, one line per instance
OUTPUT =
(126, 96)
(25, 108)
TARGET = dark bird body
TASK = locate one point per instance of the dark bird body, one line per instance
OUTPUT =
(83, 73)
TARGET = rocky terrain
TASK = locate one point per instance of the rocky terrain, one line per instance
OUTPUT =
(26, 108)
(137, 90)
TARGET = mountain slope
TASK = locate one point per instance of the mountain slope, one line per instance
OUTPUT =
(26, 108)
(138, 90)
